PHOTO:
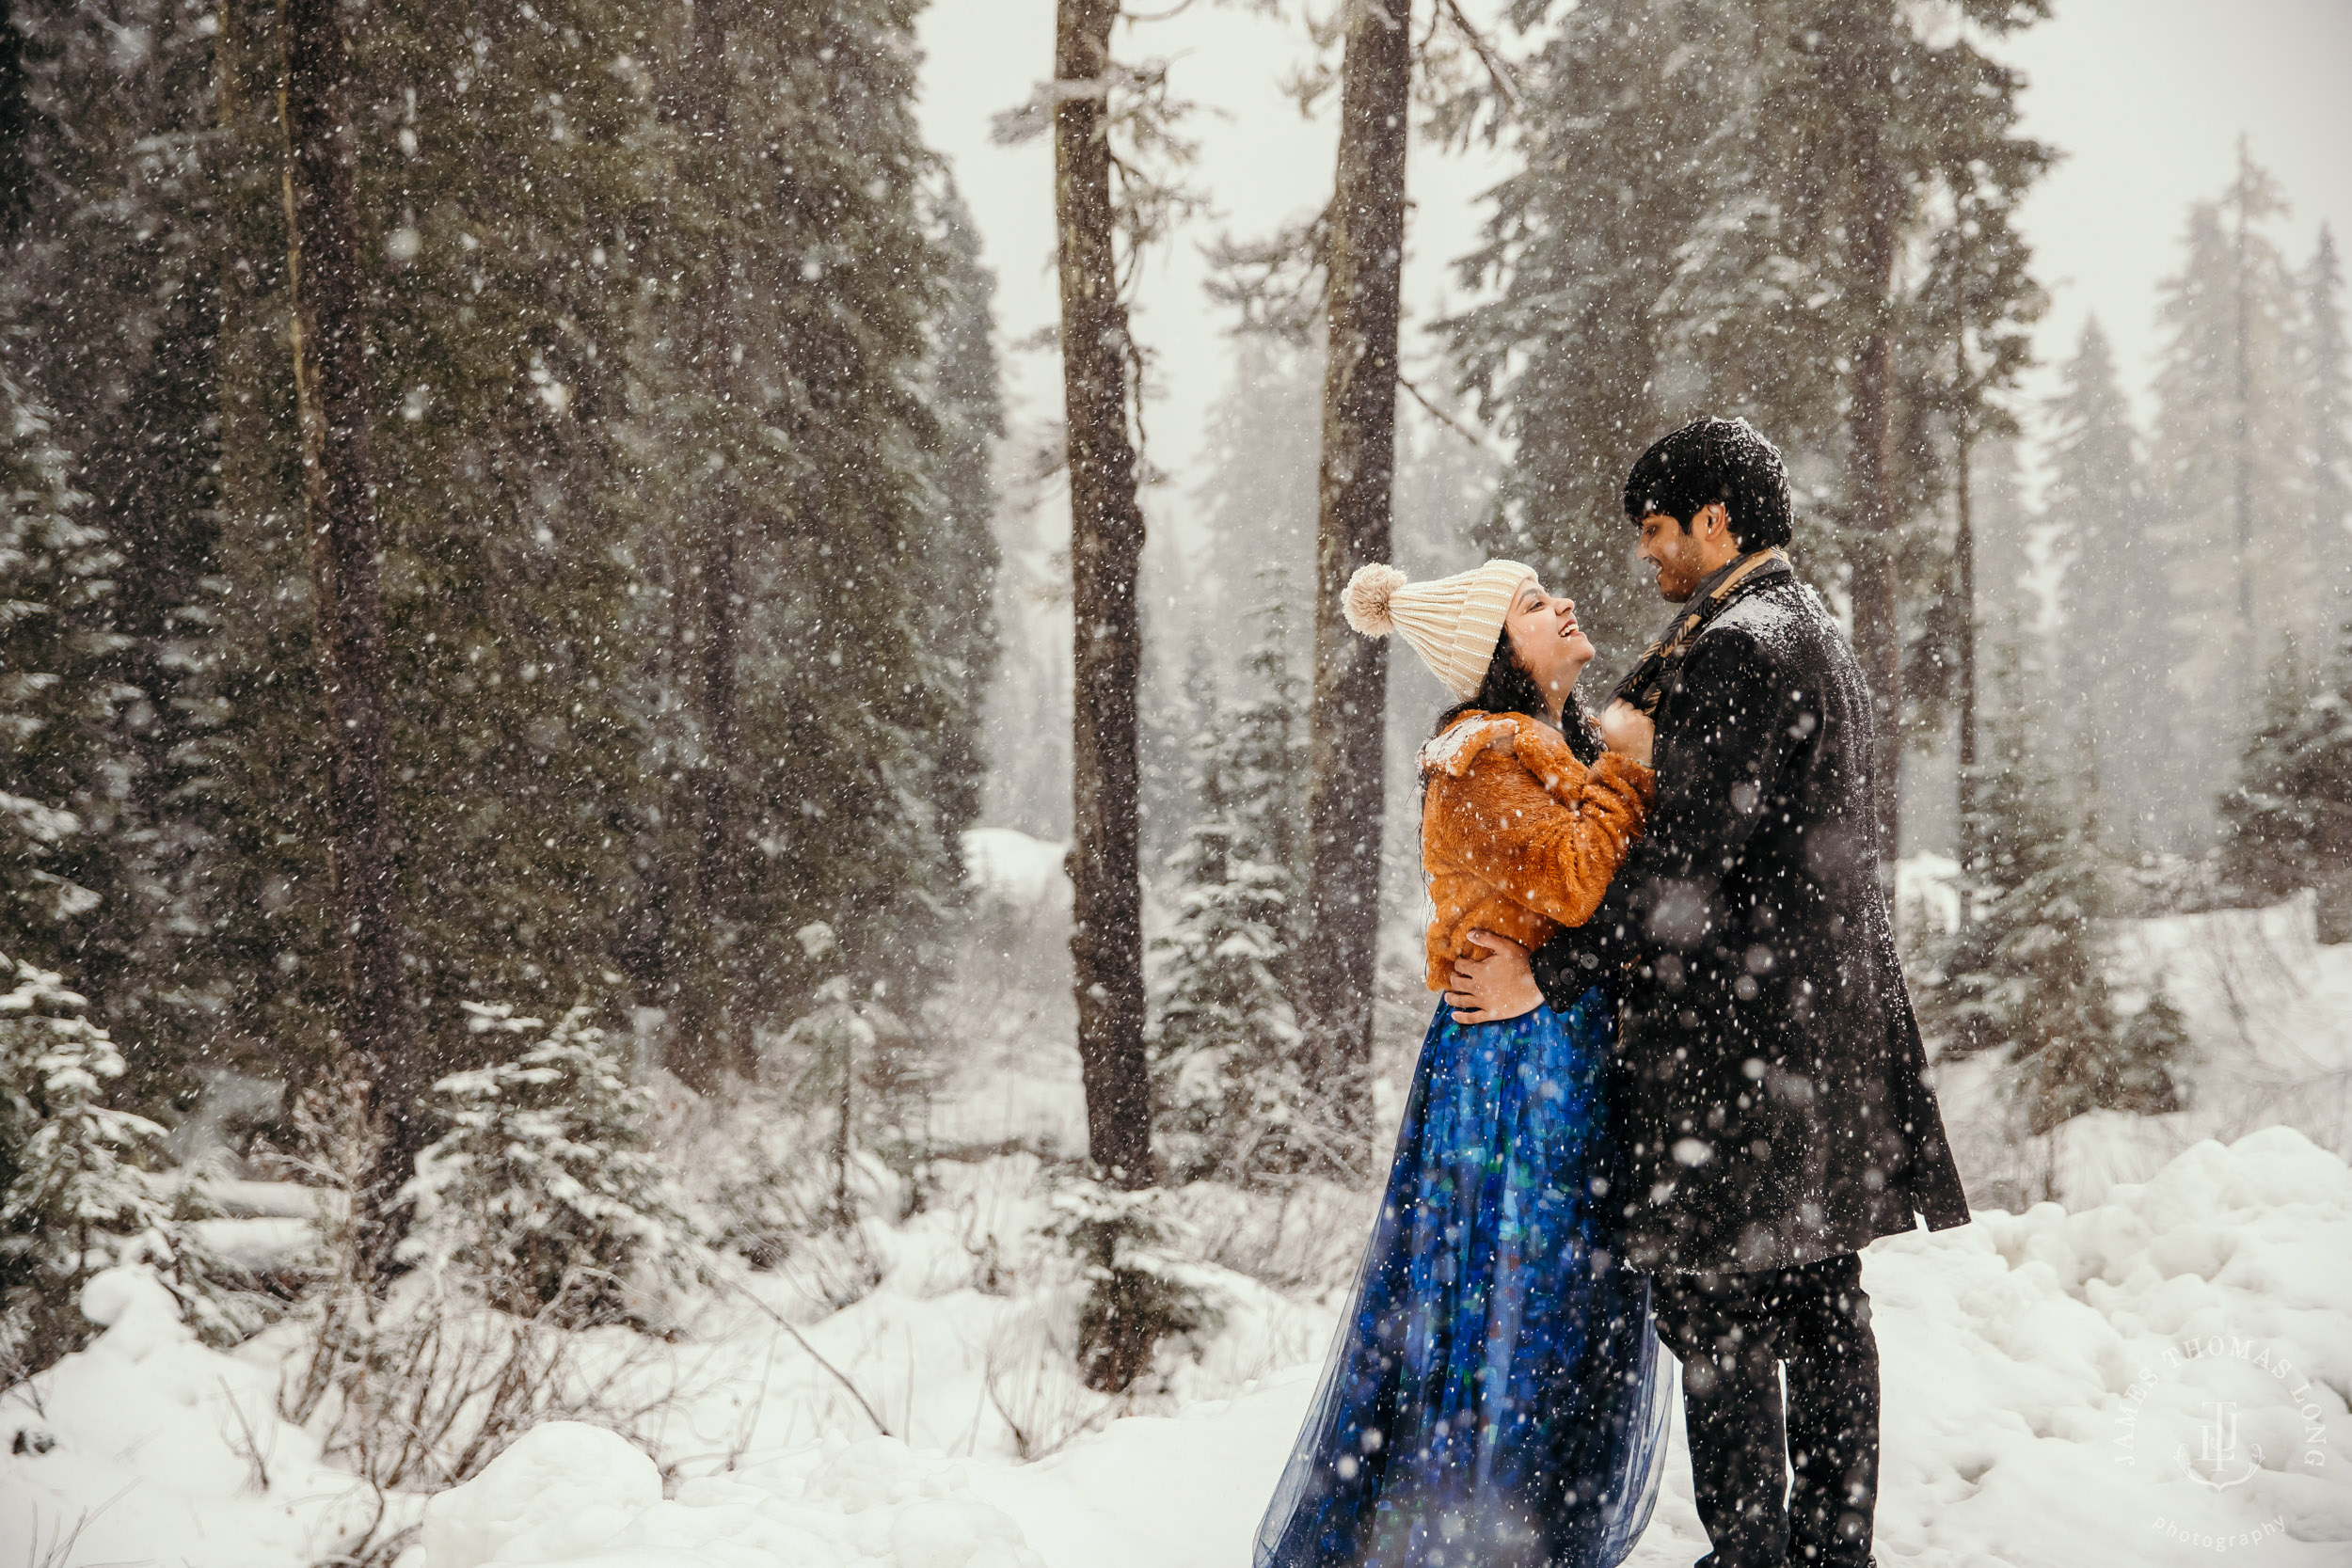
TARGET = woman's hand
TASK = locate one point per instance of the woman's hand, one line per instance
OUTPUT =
(1628, 731)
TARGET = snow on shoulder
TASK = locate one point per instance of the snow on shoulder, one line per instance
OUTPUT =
(579, 1494)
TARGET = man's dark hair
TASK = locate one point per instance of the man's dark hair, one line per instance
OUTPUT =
(1714, 460)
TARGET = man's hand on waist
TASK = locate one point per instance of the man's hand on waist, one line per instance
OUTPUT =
(1498, 985)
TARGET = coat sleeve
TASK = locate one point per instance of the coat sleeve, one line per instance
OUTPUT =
(1553, 852)
(1716, 767)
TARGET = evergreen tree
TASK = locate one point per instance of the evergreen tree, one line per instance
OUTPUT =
(2288, 824)
(2327, 367)
(1650, 265)
(2026, 974)
(1106, 549)
(542, 1188)
(2155, 1042)
(535, 234)
(76, 1194)
(1572, 360)
(2007, 603)
(57, 711)
(2115, 605)
(1857, 135)
(959, 556)
(797, 711)
(1233, 1103)
(110, 307)
(2224, 474)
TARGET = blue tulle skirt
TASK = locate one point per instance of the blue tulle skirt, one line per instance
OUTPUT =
(1494, 1398)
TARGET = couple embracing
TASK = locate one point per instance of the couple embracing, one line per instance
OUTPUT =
(1674, 1089)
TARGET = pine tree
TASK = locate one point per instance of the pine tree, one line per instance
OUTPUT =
(1105, 547)
(1233, 1104)
(1856, 134)
(1571, 359)
(57, 710)
(2224, 474)
(108, 301)
(76, 1193)
(960, 558)
(2026, 974)
(1651, 265)
(2115, 604)
(1363, 253)
(1139, 1289)
(542, 1189)
(2288, 824)
(2326, 376)
(836, 804)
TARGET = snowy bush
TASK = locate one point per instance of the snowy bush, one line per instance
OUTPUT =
(76, 1196)
(1139, 1290)
(758, 1171)
(542, 1189)
(851, 1070)
(2288, 824)
(2026, 973)
(1230, 1103)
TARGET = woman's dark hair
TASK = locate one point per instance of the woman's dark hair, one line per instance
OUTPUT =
(1509, 688)
(1714, 460)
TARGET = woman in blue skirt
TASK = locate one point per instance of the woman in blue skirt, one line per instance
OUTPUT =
(1494, 1398)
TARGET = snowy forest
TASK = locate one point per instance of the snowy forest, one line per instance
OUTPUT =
(669, 896)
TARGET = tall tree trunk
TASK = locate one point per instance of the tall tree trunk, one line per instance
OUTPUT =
(2241, 433)
(240, 76)
(1869, 468)
(712, 1039)
(1105, 546)
(1344, 779)
(716, 1040)
(1964, 590)
(338, 479)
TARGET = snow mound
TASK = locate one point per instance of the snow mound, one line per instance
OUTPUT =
(2154, 1380)
(579, 1494)
(151, 1447)
(1015, 868)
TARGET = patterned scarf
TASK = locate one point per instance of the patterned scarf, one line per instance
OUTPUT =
(1645, 684)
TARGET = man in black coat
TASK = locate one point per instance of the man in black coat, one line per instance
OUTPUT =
(1770, 1095)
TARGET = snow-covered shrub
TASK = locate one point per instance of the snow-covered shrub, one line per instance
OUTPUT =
(2026, 974)
(758, 1171)
(542, 1190)
(851, 1070)
(1230, 1103)
(76, 1193)
(2288, 824)
(1140, 1289)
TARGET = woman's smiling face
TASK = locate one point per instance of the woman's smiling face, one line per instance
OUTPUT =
(1549, 644)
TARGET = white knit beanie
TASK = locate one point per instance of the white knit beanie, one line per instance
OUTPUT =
(1452, 622)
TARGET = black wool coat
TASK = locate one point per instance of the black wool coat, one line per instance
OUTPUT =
(1769, 1098)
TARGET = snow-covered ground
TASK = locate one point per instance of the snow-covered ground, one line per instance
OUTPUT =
(2157, 1374)
(2052, 1387)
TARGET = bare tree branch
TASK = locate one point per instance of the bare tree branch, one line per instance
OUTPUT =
(1498, 70)
(1440, 414)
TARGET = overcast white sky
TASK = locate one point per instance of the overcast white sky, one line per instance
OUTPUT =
(2147, 97)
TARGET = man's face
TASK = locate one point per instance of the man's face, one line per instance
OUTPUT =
(1685, 557)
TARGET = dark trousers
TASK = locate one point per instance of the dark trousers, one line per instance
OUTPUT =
(1731, 1331)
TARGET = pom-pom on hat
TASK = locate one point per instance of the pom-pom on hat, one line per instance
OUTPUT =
(1452, 622)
